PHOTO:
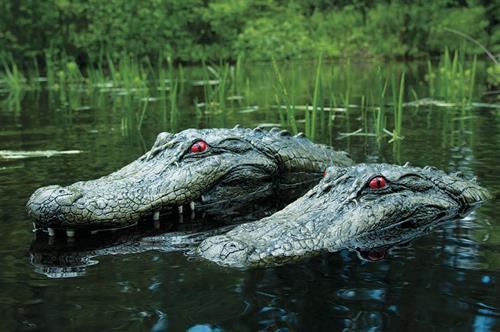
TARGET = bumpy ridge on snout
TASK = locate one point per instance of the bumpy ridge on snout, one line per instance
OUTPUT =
(366, 205)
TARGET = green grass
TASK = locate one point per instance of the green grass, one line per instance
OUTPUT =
(283, 98)
(380, 120)
(397, 97)
(312, 101)
(12, 77)
(317, 102)
(453, 79)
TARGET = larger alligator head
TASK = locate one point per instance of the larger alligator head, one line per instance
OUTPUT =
(363, 206)
(212, 171)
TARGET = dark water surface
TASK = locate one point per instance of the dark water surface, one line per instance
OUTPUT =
(447, 280)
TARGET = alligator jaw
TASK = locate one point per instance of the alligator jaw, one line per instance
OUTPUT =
(88, 205)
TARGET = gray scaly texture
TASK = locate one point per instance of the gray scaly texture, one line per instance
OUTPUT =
(362, 206)
(240, 169)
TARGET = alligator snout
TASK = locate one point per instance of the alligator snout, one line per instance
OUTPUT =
(466, 193)
(46, 202)
(474, 195)
(225, 251)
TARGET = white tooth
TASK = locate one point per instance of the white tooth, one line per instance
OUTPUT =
(180, 209)
(192, 205)
(181, 218)
(193, 214)
(156, 224)
(70, 232)
(51, 231)
(203, 199)
(203, 215)
(34, 227)
(156, 215)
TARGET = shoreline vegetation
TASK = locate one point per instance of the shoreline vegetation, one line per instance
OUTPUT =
(330, 92)
(196, 31)
(140, 53)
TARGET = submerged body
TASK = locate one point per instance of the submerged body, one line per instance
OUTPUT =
(362, 206)
(219, 172)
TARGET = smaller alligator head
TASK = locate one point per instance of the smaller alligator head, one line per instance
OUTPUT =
(362, 206)
(210, 171)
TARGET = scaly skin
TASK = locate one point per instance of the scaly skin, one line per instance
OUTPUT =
(240, 169)
(344, 211)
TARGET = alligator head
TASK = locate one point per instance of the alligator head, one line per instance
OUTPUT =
(353, 207)
(210, 171)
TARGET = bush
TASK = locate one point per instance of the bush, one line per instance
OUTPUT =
(468, 20)
(281, 36)
(338, 33)
(192, 30)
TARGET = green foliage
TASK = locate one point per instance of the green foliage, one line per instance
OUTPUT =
(494, 75)
(339, 32)
(12, 77)
(194, 30)
(470, 20)
(282, 36)
(454, 78)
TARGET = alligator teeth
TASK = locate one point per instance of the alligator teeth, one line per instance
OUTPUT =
(156, 224)
(181, 218)
(70, 232)
(51, 231)
(156, 215)
(34, 228)
(193, 214)
(192, 206)
(180, 209)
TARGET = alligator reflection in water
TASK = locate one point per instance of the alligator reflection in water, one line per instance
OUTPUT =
(56, 257)
(60, 257)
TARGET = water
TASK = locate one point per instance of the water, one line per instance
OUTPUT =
(446, 280)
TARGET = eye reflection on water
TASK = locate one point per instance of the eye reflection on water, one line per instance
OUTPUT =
(445, 279)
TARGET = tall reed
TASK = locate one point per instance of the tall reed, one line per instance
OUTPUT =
(283, 98)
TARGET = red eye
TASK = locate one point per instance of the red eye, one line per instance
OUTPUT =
(324, 172)
(375, 256)
(199, 146)
(377, 182)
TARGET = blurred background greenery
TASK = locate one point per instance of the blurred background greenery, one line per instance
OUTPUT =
(208, 30)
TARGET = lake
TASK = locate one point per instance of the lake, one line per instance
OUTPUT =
(446, 280)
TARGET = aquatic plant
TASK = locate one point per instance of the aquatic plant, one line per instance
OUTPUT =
(453, 80)
(283, 98)
(397, 106)
(317, 102)
(12, 77)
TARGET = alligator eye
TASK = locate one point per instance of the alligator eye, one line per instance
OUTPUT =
(199, 146)
(377, 182)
